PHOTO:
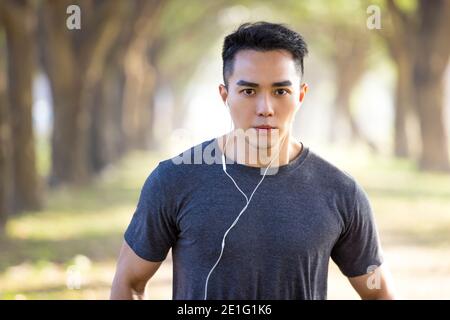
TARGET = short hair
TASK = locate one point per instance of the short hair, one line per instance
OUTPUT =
(262, 36)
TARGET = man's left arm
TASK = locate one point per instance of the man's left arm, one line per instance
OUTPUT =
(376, 285)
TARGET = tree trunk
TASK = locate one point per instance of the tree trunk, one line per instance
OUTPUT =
(68, 152)
(427, 52)
(106, 133)
(69, 157)
(434, 155)
(120, 107)
(403, 95)
(140, 78)
(432, 40)
(81, 55)
(350, 65)
(6, 163)
(19, 25)
(400, 43)
(137, 100)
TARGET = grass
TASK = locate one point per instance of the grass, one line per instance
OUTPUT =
(80, 232)
(40, 247)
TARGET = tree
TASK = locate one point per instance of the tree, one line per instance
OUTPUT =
(74, 62)
(350, 60)
(6, 164)
(121, 113)
(419, 46)
(346, 44)
(399, 42)
(19, 23)
(140, 75)
(185, 35)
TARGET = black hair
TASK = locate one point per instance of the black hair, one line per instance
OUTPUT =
(262, 36)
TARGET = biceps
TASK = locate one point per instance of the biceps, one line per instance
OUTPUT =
(133, 269)
(375, 285)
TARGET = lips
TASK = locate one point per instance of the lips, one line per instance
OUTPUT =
(264, 127)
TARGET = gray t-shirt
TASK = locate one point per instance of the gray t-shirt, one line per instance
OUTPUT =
(280, 248)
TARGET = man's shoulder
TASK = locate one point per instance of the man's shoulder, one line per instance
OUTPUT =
(196, 154)
(329, 174)
(186, 162)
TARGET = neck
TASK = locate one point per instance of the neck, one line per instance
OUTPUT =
(281, 153)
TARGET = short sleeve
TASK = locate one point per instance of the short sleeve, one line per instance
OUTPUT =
(152, 230)
(358, 250)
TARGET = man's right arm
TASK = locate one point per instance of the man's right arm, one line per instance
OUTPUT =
(132, 275)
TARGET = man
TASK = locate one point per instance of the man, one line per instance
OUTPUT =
(235, 236)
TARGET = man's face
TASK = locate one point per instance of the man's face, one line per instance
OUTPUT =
(264, 90)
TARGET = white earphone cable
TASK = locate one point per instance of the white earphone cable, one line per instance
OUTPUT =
(242, 210)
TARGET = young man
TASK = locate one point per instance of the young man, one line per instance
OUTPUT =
(237, 232)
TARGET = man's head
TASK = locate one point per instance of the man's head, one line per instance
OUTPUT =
(262, 70)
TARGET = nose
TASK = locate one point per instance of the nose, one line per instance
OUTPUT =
(264, 108)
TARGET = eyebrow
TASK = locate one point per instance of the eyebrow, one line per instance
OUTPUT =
(285, 83)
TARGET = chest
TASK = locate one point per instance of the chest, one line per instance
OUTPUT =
(274, 223)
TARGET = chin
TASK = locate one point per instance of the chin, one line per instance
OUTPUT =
(263, 142)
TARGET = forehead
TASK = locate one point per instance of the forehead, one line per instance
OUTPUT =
(264, 66)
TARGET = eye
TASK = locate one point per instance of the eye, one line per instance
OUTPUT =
(281, 92)
(248, 92)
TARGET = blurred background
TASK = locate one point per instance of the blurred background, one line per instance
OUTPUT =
(93, 94)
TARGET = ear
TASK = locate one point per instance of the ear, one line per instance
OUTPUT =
(303, 90)
(223, 92)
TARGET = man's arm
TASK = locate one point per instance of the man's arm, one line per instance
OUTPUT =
(132, 275)
(377, 285)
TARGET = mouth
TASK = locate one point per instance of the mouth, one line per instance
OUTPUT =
(264, 127)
